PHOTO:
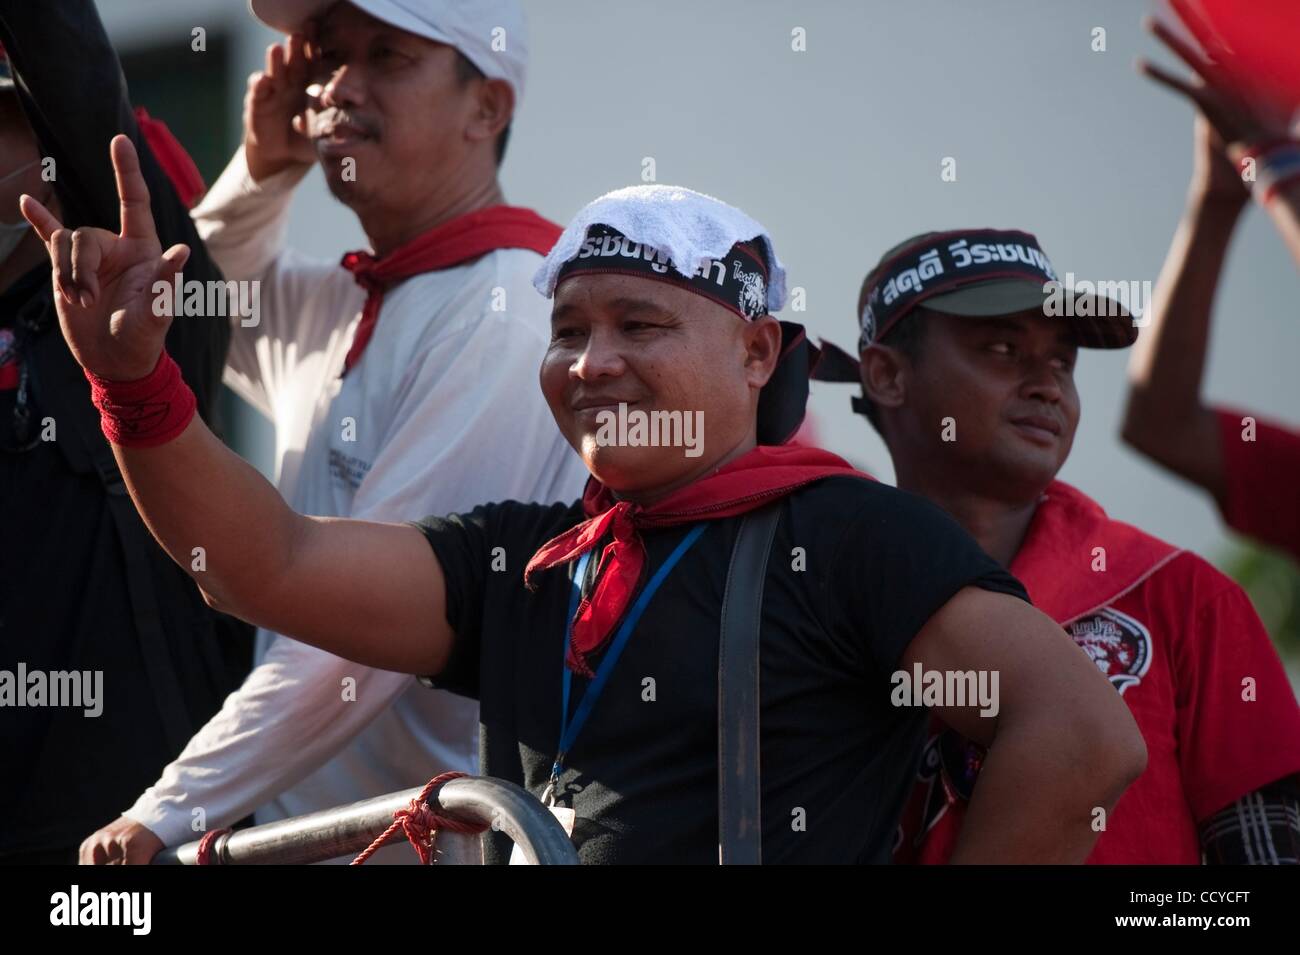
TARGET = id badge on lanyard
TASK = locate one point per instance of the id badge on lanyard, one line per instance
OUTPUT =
(569, 729)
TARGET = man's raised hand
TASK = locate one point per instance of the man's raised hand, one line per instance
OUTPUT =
(103, 282)
(275, 123)
(1240, 116)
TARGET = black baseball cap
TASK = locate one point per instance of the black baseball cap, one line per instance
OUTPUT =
(977, 273)
(980, 273)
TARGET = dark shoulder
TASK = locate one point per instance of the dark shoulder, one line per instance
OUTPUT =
(839, 504)
(514, 521)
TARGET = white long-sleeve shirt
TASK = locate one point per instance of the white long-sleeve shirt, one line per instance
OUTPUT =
(443, 412)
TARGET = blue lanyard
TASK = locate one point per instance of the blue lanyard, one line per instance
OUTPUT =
(569, 730)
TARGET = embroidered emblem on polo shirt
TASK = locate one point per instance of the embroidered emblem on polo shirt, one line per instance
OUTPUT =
(1118, 644)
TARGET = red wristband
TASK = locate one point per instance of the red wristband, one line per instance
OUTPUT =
(146, 412)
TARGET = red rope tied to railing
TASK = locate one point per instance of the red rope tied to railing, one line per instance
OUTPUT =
(420, 824)
(203, 855)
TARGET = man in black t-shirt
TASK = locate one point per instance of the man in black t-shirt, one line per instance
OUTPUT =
(603, 615)
(837, 758)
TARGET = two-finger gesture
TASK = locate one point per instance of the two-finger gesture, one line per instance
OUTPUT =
(103, 283)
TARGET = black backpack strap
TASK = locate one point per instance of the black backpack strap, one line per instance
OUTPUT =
(740, 818)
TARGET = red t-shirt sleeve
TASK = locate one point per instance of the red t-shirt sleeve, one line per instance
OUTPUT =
(1234, 736)
(1262, 480)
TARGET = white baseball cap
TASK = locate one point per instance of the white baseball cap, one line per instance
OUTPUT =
(490, 33)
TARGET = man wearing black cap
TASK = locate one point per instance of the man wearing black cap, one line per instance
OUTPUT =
(967, 352)
(614, 683)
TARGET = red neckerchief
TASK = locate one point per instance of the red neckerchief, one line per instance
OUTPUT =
(458, 240)
(750, 481)
(171, 155)
(1057, 559)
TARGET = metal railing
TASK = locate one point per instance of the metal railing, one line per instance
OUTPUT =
(346, 830)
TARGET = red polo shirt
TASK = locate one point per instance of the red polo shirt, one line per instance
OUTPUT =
(1182, 644)
(1262, 470)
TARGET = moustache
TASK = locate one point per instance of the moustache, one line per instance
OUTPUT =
(326, 121)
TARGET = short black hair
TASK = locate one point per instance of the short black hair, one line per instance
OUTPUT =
(906, 336)
(467, 72)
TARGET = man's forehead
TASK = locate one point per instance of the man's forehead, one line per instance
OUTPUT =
(620, 292)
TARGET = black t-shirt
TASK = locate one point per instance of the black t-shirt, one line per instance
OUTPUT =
(856, 569)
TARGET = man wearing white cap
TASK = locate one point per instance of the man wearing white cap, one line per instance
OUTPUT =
(721, 612)
(399, 381)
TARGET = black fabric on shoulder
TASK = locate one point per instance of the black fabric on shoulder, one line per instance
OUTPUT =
(497, 538)
(898, 560)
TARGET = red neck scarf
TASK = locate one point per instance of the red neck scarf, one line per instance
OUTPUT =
(458, 240)
(1060, 564)
(171, 155)
(762, 475)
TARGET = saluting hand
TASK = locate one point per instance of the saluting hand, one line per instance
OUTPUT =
(103, 283)
(275, 119)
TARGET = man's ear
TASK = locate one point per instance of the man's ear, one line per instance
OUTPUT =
(496, 107)
(762, 338)
(884, 374)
